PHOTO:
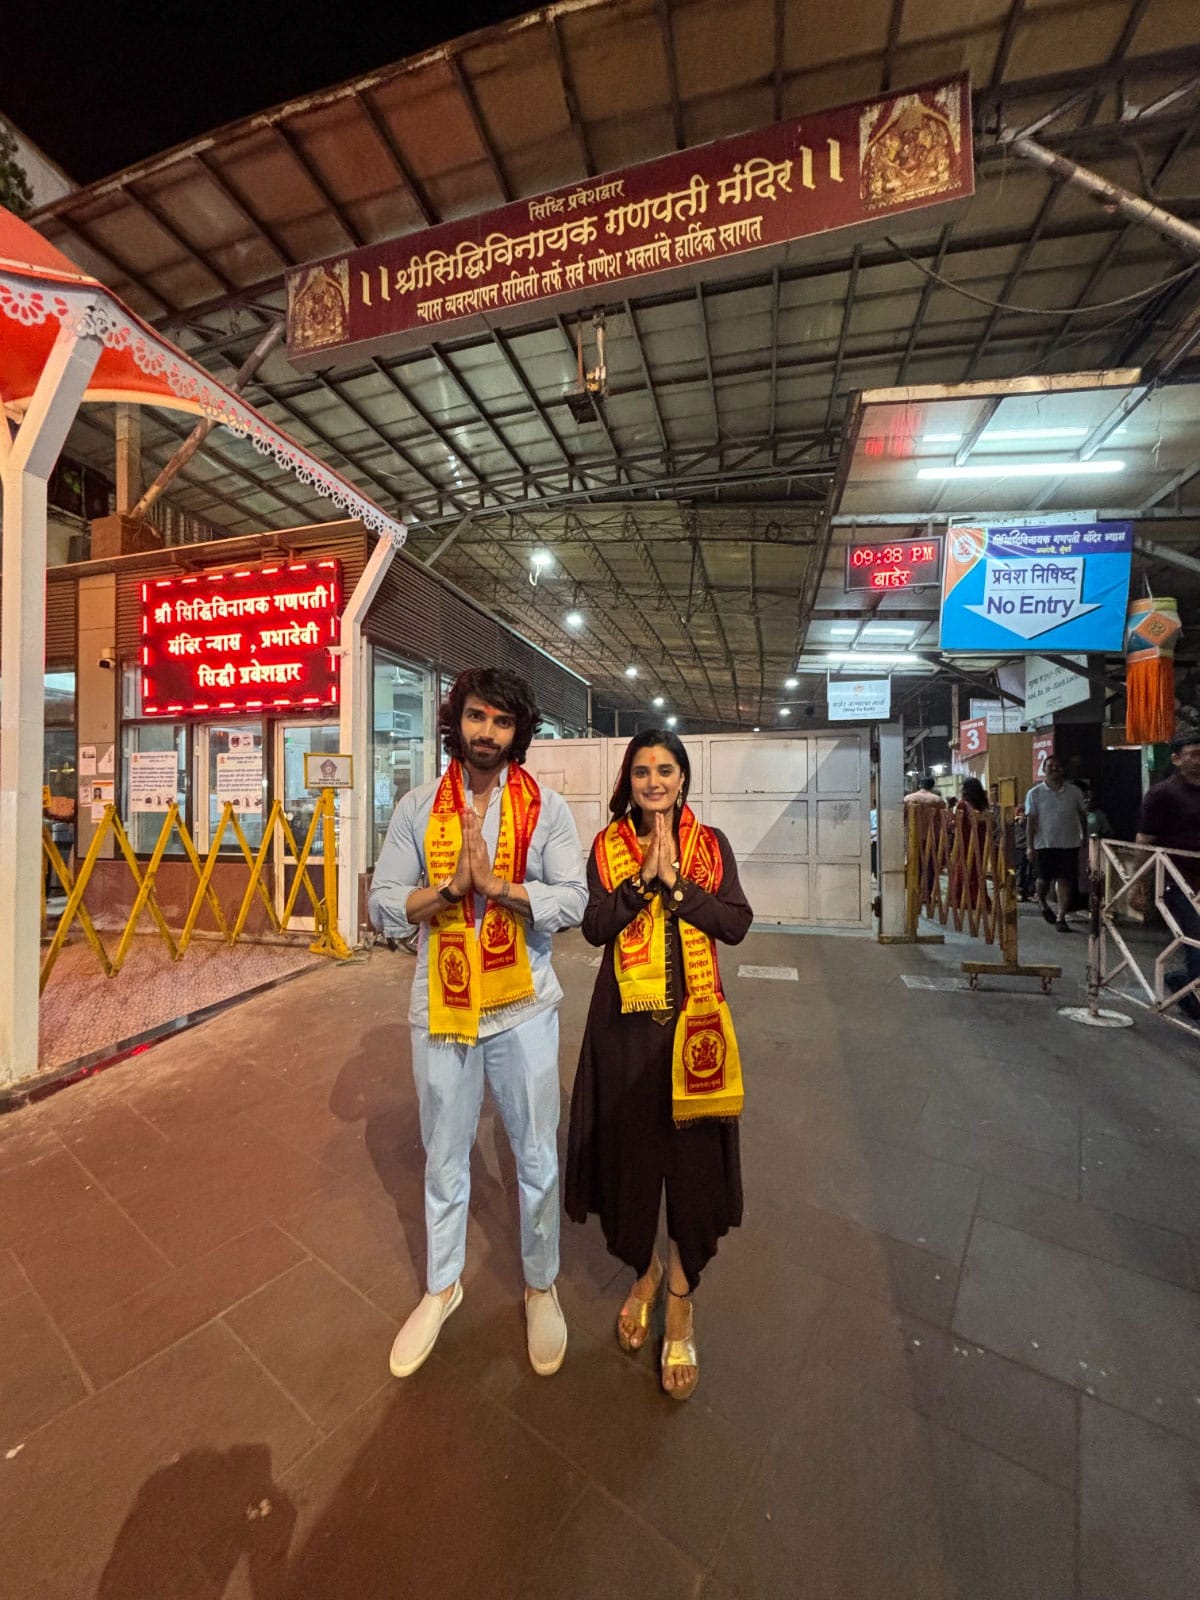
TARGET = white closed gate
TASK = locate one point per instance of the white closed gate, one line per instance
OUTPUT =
(795, 808)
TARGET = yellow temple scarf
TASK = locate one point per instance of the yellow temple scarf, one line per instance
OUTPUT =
(472, 973)
(706, 1068)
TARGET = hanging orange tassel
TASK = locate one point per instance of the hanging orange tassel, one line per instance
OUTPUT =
(1151, 629)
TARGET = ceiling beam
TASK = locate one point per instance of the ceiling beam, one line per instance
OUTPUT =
(895, 23)
(570, 98)
(467, 92)
(667, 30)
(264, 230)
(415, 189)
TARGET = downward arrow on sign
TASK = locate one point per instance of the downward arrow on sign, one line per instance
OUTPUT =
(1032, 597)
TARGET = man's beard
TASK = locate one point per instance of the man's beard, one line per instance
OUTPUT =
(486, 760)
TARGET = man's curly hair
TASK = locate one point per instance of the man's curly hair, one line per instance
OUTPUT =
(498, 687)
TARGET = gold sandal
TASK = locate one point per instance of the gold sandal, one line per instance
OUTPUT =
(681, 1353)
(636, 1310)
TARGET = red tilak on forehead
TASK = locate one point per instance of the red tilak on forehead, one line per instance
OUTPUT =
(475, 704)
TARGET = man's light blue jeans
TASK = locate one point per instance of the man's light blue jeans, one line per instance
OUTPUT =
(521, 1065)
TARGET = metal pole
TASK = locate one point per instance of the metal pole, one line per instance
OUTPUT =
(25, 466)
(1130, 205)
(353, 736)
(202, 429)
(1095, 902)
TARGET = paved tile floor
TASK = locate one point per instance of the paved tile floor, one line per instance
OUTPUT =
(954, 1351)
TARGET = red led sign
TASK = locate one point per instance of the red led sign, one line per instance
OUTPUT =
(241, 641)
(902, 564)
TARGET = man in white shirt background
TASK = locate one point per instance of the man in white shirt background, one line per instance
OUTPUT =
(1057, 826)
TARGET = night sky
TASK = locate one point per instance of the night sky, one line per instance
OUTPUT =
(102, 86)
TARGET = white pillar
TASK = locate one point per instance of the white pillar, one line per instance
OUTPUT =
(354, 805)
(26, 461)
(889, 801)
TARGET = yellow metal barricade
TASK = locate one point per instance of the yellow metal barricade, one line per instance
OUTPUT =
(958, 874)
(328, 941)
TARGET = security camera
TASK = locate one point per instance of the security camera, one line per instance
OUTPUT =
(108, 660)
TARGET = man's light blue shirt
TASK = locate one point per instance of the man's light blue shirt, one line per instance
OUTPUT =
(555, 881)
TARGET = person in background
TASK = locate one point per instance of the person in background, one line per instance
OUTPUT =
(1170, 817)
(925, 804)
(1057, 819)
(971, 823)
(1022, 864)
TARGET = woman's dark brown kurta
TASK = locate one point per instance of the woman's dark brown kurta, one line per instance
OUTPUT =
(623, 1145)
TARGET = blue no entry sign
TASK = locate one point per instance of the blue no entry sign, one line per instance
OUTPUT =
(1042, 589)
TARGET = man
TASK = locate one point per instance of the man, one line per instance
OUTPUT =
(924, 804)
(1170, 816)
(487, 865)
(925, 794)
(1057, 825)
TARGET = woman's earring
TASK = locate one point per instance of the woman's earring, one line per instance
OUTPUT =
(679, 802)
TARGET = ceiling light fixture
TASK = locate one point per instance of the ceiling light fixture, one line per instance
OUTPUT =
(631, 672)
(784, 711)
(875, 658)
(1007, 435)
(574, 619)
(658, 701)
(671, 721)
(791, 683)
(1023, 469)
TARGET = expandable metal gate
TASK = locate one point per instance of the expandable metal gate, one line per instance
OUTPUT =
(324, 907)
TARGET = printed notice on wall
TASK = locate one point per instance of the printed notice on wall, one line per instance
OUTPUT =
(153, 776)
(102, 796)
(239, 780)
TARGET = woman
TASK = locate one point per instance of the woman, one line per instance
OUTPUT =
(658, 1088)
(970, 840)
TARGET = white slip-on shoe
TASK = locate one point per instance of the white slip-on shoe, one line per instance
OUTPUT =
(416, 1339)
(546, 1332)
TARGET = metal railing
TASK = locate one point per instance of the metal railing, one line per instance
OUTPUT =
(276, 829)
(958, 874)
(1126, 880)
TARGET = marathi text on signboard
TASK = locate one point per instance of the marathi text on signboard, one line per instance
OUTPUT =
(1049, 589)
(861, 699)
(241, 641)
(835, 169)
(1051, 687)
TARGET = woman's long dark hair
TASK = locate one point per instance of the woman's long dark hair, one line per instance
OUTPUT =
(648, 739)
(974, 794)
(498, 687)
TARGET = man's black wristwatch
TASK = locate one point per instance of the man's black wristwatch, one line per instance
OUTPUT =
(448, 894)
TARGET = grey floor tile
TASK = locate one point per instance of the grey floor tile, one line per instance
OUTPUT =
(1139, 1509)
(1135, 1180)
(899, 1192)
(672, 1464)
(1008, 1408)
(1134, 1341)
(857, 1497)
(193, 1412)
(602, 1550)
(429, 1490)
(910, 1277)
(1056, 1171)
(1140, 1246)
(1015, 1107)
(325, 1344)
(38, 1378)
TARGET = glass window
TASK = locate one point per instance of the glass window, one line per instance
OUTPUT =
(235, 773)
(400, 699)
(58, 739)
(150, 781)
(548, 728)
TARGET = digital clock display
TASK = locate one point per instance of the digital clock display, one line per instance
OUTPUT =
(900, 564)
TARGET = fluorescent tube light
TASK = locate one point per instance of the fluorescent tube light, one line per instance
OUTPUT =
(1023, 469)
(876, 658)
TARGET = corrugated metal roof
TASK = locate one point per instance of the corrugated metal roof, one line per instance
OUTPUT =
(684, 522)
